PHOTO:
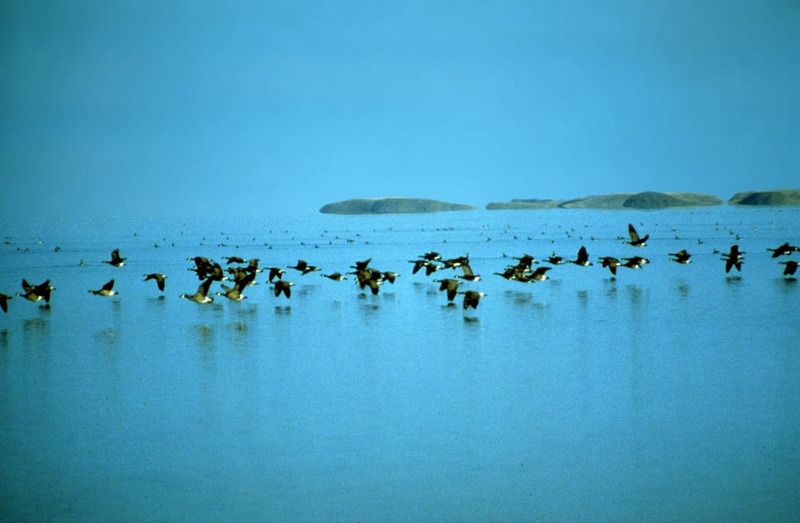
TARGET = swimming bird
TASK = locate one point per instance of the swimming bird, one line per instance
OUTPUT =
(4, 301)
(105, 290)
(115, 260)
(471, 299)
(610, 262)
(583, 258)
(636, 241)
(784, 250)
(201, 296)
(450, 285)
(283, 286)
(682, 257)
(161, 279)
(37, 292)
(733, 259)
(791, 267)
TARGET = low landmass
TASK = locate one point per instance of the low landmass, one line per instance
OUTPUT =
(776, 197)
(642, 200)
(392, 206)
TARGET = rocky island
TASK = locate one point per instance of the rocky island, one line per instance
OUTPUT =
(392, 206)
(642, 200)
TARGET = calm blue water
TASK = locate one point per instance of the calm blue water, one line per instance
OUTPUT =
(671, 393)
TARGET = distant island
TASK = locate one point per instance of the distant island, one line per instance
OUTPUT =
(778, 197)
(615, 201)
(392, 206)
(642, 200)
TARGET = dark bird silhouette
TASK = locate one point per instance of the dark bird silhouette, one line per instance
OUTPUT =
(304, 267)
(733, 259)
(682, 257)
(430, 267)
(361, 265)
(635, 240)
(275, 272)
(161, 279)
(233, 259)
(431, 256)
(115, 260)
(283, 286)
(105, 290)
(635, 262)
(37, 292)
(450, 285)
(784, 250)
(583, 258)
(468, 275)
(335, 276)
(611, 263)
(791, 267)
(554, 259)
(472, 298)
(201, 296)
(4, 301)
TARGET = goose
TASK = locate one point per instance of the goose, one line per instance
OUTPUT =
(232, 293)
(682, 257)
(791, 267)
(283, 286)
(431, 256)
(635, 263)
(471, 299)
(450, 285)
(555, 259)
(540, 274)
(304, 267)
(389, 276)
(583, 258)
(784, 250)
(161, 279)
(115, 260)
(37, 292)
(233, 259)
(734, 258)
(361, 265)
(468, 274)
(610, 262)
(105, 290)
(275, 272)
(201, 296)
(430, 267)
(4, 301)
(636, 241)
(335, 276)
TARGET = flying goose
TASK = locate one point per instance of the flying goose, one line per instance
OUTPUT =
(450, 285)
(636, 241)
(105, 290)
(161, 279)
(610, 262)
(201, 296)
(471, 299)
(682, 257)
(283, 286)
(784, 250)
(791, 267)
(4, 301)
(583, 258)
(115, 260)
(733, 258)
(37, 292)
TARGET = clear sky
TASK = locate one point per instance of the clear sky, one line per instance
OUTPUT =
(151, 106)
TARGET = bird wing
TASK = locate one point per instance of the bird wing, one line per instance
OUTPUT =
(108, 286)
(632, 231)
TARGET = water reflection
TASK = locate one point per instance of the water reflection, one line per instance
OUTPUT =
(283, 309)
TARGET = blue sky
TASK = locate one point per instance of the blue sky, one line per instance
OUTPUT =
(280, 107)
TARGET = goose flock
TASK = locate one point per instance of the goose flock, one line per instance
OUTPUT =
(239, 274)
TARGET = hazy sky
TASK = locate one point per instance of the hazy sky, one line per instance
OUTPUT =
(139, 106)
